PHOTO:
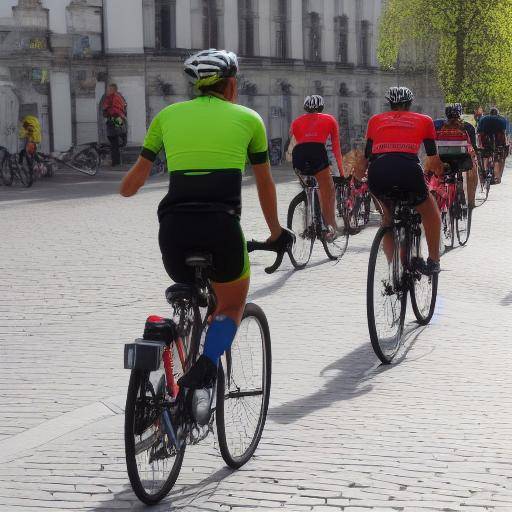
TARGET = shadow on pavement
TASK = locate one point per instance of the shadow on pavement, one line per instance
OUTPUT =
(353, 375)
(183, 493)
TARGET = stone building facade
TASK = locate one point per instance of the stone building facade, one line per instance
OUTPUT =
(56, 57)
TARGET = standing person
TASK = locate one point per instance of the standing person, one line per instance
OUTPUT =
(492, 130)
(114, 110)
(207, 141)
(465, 132)
(310, 132)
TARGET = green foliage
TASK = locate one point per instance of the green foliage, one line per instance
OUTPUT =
(472, 42)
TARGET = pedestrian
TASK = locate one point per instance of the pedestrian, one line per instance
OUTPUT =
(114, 110)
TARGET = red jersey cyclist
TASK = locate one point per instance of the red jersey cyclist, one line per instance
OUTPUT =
(393, 141)
(309, 155)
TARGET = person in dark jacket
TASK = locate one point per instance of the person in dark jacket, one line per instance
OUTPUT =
(114, 110)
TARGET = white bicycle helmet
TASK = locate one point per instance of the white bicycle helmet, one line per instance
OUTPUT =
(399, 95)
(210, 66)
(314, 103)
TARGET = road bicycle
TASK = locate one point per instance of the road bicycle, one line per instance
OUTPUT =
(355, 196)
(159, 423)
(397, 267)
(12, 170)
(485, 176)
(85, 158)
(305, 220)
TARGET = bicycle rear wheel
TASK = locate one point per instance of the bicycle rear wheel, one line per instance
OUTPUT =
(386, 295)
(423, 288)
(298, 221)
(462, 216)
(337, 248)
(243, 391)
(482, 188)
(447, 228)
(152, 461)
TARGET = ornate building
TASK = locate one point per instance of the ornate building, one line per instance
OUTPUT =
(56, 57)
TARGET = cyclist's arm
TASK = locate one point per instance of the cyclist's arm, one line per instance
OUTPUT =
(433, 162)
(335, 140)
(138, 174)
(136, 177)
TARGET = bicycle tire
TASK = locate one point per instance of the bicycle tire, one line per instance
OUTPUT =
(386, 357)
(305, 233)
(86, 161)
(6, 172)
(26, 171)
(235, 461)
(462, 217)
(423, 307)
(129, 437)
(367, 200)
(447, 228)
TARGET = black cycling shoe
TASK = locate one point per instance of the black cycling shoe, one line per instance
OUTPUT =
(203, 374)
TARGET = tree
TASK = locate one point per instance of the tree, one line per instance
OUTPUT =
(471, 42)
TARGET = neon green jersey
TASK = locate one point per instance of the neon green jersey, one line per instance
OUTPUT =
(207, 133)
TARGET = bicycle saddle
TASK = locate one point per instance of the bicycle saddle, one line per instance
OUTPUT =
(199, 260)
(180, 291)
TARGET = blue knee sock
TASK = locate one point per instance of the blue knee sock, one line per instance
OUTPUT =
(219, 337)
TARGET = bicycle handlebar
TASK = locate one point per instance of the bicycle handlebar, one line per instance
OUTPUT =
(280, 246)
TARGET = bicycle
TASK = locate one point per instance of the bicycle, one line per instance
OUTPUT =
(158, 422)
(485, 175)
(305, 220)
(11, 170)
(397, 267)
(356, 198)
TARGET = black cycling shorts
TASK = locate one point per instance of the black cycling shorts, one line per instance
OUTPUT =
(391, 172)
(217, 233)
(309, 158)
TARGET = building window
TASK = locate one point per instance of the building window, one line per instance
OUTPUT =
(315, 37)
(246, 31)
(165, 13)
(282, 29)
(364, 44)
(210, 24)
(341, 30)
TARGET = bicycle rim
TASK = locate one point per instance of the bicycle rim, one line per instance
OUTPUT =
(423, 288)
(386, 297)
(299, 223)
(153, 463)
(243, 392)
(338, 247)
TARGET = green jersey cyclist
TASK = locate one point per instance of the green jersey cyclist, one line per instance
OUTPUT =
(207, 141)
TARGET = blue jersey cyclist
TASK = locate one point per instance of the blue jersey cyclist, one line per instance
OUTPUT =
(207, 141)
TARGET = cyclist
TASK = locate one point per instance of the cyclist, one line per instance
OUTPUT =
(207, 141)
(393, 140)
(458, 140)
(492, 130)
(310, 133)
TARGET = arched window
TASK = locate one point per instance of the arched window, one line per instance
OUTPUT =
(341, 30)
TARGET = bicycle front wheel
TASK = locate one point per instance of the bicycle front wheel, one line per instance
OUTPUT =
(423, 288)
(337, 248)
(243, 390)
(462, 216)
(299, 222)
(386, 295)
(6, 171)
(152, 461)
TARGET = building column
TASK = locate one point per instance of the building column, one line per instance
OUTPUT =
(328, 39)
(231, 25)
(61, 110)
(183, 24)
(296, 39)
(264, 30)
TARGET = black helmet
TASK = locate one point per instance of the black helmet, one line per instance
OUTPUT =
(453, 111)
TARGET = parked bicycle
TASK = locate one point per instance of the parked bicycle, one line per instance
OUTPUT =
(12, 170)
(159, 423)
(396, 267)
(356, 198)
(305, 220)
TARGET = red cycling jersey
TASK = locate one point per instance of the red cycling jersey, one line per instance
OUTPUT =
(317, 127)
(399, 131)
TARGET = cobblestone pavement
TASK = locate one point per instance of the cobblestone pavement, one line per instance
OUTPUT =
(80, 271)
